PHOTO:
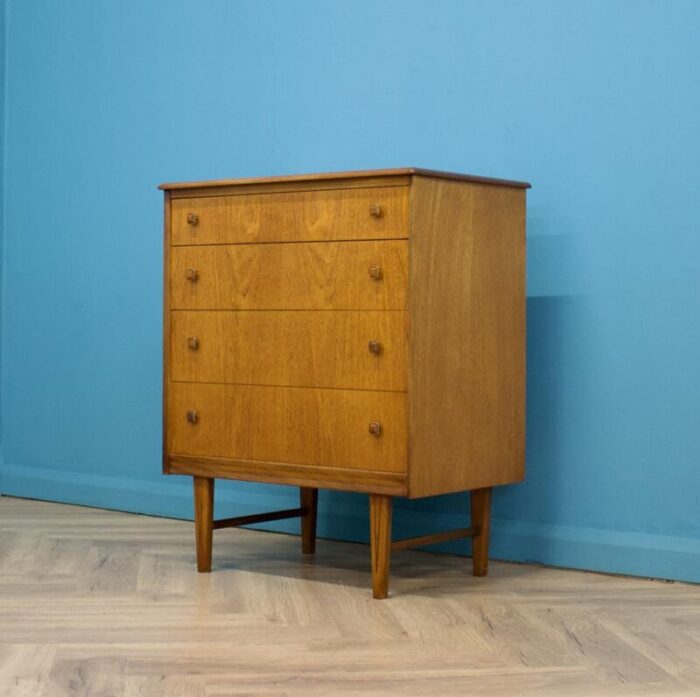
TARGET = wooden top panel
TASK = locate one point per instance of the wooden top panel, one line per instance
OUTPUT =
(359, 174)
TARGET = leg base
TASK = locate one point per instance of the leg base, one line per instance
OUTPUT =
(203, 520)
(481, 524)
(380, 508)
(308, 500)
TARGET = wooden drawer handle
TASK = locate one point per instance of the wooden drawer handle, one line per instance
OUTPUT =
(375, 273)
(192, 275)
(192, 219)
(375, 428)
(192, 417)
(374, 347)
(375, 210)
(193, 343)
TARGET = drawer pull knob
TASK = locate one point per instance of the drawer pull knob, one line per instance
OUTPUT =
(193, 343)
(192, 219)
(375, 272)
(375, 210)
(374, 347)
(192, 275)
(375, 428)
(192, 417)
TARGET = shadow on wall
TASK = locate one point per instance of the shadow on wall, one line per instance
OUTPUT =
(536, 499)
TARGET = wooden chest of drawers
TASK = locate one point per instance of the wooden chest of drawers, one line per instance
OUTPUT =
(359, 330)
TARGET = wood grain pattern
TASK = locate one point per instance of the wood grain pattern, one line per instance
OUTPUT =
(380, 510)
(293, 474)
(481, 524)
(467, 309)
(302, 276)
(105, 603)
(203, 520)
(302, 348)
(342, 214)
(346, 177)
(289, 424)
(308, 500)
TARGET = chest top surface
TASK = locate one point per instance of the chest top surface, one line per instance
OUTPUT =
(349, 175)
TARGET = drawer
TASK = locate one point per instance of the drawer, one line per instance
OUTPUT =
(341, 214)
(297, 425)
(310, 349)
(303, 276)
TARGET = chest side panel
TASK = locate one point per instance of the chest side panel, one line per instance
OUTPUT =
(467, 336)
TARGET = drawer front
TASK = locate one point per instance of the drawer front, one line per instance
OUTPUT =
(304, 276)
(342, 214)
(297, 425)
(362, 350)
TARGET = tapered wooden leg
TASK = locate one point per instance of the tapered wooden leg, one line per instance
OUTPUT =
(308, 500)
(481, 523)
(380, 542)
(203, 520)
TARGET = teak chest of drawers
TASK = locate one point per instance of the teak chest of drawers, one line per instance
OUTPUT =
(358, 330)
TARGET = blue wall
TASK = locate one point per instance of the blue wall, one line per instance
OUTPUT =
(596, 103)
(3, 48)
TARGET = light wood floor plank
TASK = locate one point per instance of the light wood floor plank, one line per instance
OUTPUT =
(110, 604)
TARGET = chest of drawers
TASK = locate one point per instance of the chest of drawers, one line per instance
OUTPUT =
(362, 331)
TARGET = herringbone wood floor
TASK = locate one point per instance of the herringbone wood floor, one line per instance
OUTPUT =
(109, 604)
